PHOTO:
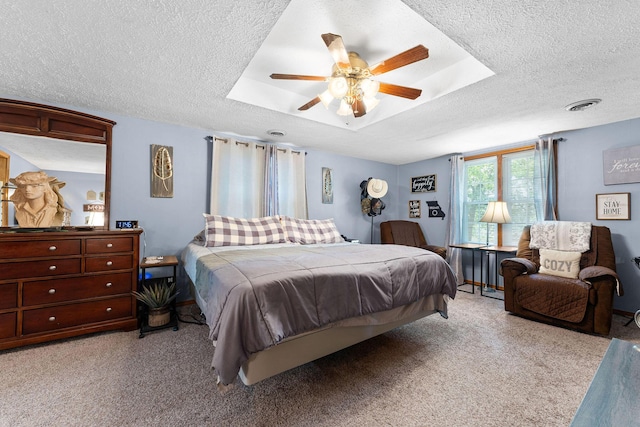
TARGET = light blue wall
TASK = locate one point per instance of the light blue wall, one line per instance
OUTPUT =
(580, 178)
(170, 223)
(348, 173)
(434, 228)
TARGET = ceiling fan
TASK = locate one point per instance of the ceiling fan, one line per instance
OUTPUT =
(351, 78)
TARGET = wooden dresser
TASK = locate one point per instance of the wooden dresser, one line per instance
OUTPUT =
(65, 283)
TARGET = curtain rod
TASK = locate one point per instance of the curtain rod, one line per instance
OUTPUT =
(210, 138)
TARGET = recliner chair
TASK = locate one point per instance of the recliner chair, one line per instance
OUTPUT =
(584, 303)
(407, 233)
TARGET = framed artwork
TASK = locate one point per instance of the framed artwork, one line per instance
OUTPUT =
(414, 208)
(161, 171)
(621, 165)
(423, 184)
(613, 206)
(327, 186)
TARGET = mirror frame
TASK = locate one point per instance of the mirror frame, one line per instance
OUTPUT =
(29, 118)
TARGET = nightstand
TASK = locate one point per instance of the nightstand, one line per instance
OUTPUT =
(156, 262)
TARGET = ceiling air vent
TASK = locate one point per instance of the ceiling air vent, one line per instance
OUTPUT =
(582, 105)
(276, 132)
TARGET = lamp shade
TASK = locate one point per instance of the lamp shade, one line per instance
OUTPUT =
(497, 213)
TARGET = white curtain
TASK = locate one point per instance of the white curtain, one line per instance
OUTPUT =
(544, 180)
(250, 180)
(237, 178)
(292, 183)
(454, 225)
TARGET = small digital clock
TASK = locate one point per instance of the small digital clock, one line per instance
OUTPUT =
(127, 225)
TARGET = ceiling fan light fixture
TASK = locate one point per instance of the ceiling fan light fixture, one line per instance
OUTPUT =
(351, 81)
(326, 97)
(370, 102)
(345, 109)
(369, 87)
(338, 87)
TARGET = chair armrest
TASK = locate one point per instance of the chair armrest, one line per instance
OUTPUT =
(597, 271)
(517, 266)
(442, 251)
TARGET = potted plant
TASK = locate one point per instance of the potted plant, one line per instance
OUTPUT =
(157, 297)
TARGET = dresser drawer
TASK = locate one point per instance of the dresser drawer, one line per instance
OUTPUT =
(7, 325)
(48, 267)
(109, 245)
(8, 295)
(108, 263)
(36, 249)
(76, 288)
(66, 316)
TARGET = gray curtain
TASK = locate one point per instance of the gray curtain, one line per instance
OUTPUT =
(545, 179)
(454, 225)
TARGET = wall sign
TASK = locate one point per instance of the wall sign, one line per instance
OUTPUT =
(414, 208)
(622, 165)
(327, 186)
(423, 184)
(613, 206)
(435, 211)
(161, 171)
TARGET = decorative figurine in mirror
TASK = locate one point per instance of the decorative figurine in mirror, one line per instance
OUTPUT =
(38, 202)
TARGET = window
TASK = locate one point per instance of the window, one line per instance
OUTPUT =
(505, 175)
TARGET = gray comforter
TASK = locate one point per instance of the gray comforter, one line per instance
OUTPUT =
(257, 298)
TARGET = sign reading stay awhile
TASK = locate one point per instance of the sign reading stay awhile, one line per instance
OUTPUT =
(621, 165)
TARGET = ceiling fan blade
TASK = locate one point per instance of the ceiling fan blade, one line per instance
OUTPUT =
(402, 91)
(310, 104)
(358, 108)
(407, 57)
(337, 50)
(297, 77)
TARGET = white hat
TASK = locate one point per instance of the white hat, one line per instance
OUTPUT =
(377, 188)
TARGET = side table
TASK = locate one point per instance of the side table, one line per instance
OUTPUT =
(496, 250)
(155, 262)
(473, 247)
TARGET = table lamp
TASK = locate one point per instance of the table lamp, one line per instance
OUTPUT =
(496, 213)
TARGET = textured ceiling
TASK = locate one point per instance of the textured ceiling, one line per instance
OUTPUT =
(177, 61)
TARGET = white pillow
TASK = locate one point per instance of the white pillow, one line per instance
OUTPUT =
(560, 263)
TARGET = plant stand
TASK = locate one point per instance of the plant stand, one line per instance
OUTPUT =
(165, 261)
(144, 325)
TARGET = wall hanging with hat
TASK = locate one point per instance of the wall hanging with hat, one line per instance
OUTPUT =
(372, 191)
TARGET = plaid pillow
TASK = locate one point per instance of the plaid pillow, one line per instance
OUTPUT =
(309, 231)
(229, 231)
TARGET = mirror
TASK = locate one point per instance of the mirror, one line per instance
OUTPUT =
(74, 148)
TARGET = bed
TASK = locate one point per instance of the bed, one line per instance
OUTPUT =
(279, 302)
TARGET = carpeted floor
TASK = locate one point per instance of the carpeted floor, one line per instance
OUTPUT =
(481, 367)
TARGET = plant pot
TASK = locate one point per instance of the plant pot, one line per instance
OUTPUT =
(159, 316)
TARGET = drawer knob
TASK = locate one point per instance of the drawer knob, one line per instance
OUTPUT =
(52, 248)
(52, 319)
(52, 291)
(52, 267)
(108, 285)
(109, 263)
(109, 245)
(108, 309)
